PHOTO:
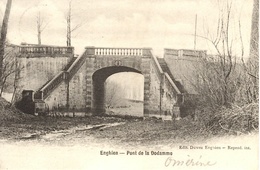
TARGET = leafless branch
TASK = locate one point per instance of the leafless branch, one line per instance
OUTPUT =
(40, 26)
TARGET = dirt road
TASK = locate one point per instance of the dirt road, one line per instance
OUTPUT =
(116, 143)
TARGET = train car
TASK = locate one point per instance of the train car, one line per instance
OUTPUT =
(32, 106)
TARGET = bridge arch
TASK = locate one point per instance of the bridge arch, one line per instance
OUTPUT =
(99, 77)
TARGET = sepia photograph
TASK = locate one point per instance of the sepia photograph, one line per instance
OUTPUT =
(128, 84)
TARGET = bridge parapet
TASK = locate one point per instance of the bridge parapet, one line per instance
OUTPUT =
(185, 52)
(195, 53)
(43, 49)
(104, 51)
(119, 51)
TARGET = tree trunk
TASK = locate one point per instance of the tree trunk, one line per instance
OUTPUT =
(254, 41)
(39, 38)
(3, 36)
(39, 25)
(252, 64)
(69, 26)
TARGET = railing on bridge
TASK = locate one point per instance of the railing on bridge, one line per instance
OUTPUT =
(42, 49)
(49, 87)
(119, 51)
(177, 93)
(75, 66)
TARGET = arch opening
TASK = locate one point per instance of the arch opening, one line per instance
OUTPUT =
(99, 85)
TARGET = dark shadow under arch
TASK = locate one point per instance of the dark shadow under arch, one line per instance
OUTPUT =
(99, 77)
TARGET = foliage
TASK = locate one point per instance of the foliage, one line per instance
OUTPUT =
(235, 120)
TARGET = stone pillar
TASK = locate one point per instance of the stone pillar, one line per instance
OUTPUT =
(89, 83)
(98, 98)
(145, 66)
(147, 82)
(67, 87)
(162, 89)
(90, 53)
(90, 50)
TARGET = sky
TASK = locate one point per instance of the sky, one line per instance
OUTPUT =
(157, 24)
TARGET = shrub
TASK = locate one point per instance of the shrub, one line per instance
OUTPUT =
(235, 120)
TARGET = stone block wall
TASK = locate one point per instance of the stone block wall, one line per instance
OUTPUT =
(37, 71)
(169, 97)
(58, 97)
(154, 97)
(184, 64)
(162, 93)
(78, 89)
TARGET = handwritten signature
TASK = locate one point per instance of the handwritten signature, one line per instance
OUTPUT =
(170, 161)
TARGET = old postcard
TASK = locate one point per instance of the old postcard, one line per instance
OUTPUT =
(128, 84)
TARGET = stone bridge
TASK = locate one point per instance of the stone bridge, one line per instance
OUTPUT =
(57, 78)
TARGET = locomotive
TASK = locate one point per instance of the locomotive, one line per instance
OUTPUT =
(32, 106)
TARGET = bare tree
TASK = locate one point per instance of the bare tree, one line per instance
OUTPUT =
(4, 29)
(222, 77)
(40, 27)
(70, 30)
(227, 86)
(11, 72)
(214, 88)
(252, 65)
(7, 70)
(218, 76)
(254, 41)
